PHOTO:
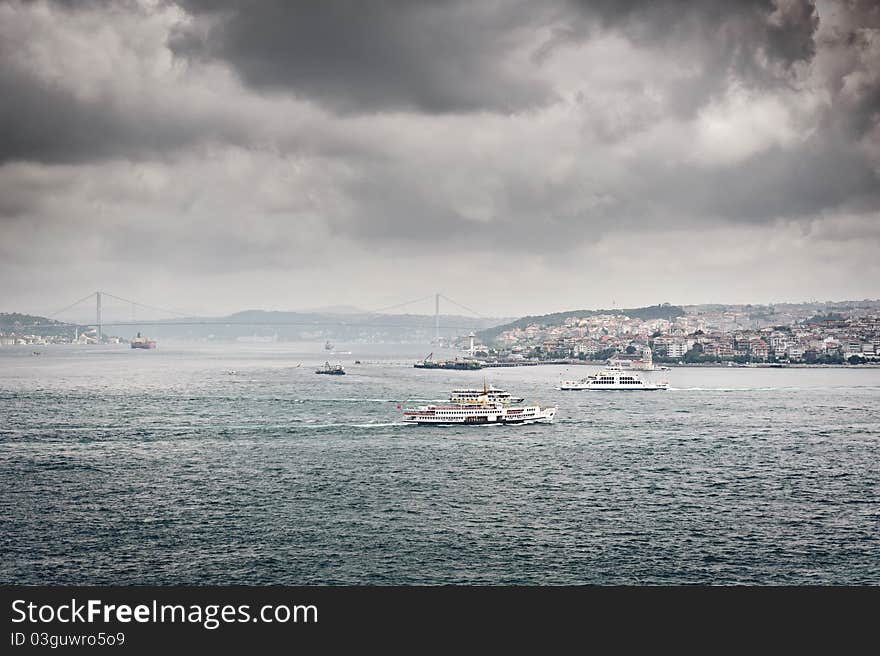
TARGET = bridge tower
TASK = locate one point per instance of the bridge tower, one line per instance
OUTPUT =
(437, 317)
(98, 313)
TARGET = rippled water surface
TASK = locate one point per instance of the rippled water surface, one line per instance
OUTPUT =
(238, 464)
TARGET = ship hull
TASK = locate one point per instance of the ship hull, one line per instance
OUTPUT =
(625, 389)
(611, 389)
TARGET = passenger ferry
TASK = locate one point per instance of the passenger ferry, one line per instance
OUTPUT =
(480, 411)
(613, 378)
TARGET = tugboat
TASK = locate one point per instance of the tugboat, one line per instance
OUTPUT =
(142, 342)
(331, 370)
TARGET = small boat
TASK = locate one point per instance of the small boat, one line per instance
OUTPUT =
(331, 370)
(142, 342)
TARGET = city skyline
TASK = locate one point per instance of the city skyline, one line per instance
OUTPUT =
(523, 159)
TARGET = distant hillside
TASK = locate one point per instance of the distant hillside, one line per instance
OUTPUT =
(15, 322)
(308, 326)
(334, 309)
(664, 311)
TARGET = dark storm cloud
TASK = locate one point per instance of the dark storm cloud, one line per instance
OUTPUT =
(432, 57)
(47, 117)
(852, 65)
(45, 123)
(227, 147)
(220, 136)
(782, 30)
(756, 42)
(450, 57)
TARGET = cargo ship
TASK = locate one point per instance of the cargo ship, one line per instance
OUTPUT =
(142, 342)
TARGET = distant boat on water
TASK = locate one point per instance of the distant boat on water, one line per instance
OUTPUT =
(613, 378)
(141, 342)
(428, 363)
(331, 370)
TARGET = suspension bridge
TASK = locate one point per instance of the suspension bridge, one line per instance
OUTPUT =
(171, 317)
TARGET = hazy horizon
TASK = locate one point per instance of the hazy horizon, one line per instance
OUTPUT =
(113, 314)
(521, 158)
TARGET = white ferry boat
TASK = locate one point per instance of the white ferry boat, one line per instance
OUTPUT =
(480, 411)
(613, 378)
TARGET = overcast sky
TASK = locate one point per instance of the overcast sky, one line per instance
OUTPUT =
(519, 157)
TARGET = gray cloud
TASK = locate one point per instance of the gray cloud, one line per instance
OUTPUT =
(455, 57)
(850, 66)
(77, 85)
(374, 56)
(261, 141)
(45, 123)
(756, 42)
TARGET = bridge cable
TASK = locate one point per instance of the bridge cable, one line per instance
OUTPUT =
(84, 298)
(463, 307)
(148, 307)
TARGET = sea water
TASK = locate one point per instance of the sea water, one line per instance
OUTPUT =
(237, 464)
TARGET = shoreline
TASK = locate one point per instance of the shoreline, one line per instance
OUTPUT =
(715, 365)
